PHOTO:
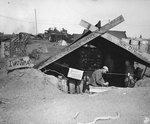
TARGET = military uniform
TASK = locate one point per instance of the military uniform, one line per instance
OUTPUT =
(97, 78)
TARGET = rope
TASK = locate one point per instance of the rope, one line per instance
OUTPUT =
(106, 73)
(62, 65)
(56, 72)
(118, 74)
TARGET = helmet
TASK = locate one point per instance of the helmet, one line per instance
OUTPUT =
(106, 68)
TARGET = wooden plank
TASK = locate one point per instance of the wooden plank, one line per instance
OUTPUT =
(80, 42)
(93, 89)
(88, 26)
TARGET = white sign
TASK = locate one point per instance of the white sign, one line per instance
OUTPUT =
(21, 62)
(75, 73)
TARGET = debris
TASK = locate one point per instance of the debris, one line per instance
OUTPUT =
(4, 101)
(1, 102)
(102, 118)
(146, 120)
(76, 115)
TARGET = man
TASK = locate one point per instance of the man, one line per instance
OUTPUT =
(129, 81)
(97, 77)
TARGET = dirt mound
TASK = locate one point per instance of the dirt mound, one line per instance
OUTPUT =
(143, 83)
(27, 89)
(29, 83)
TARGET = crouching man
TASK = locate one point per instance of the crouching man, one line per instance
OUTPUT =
(97, 78)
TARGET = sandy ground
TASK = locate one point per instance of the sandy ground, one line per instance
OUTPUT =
(30, 97)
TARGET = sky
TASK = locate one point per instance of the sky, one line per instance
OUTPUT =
(19, 15)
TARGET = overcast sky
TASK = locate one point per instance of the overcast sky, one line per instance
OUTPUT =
(19, 15)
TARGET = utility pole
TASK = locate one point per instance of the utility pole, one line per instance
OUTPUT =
(35, 22)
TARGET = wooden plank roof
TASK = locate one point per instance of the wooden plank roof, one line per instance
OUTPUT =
(116, 38)
(80, 42)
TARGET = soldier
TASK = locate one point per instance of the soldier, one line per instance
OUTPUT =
(97, 77)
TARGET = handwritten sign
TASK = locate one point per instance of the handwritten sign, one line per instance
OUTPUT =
(21, 62)
(75, 73)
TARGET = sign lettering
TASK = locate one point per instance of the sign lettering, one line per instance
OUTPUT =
(21, 62)
(75, 73)
(129, 47)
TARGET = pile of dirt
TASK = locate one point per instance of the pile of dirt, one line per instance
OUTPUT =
(28, 83)
(39, 50)
(143, 83)
(29, 96)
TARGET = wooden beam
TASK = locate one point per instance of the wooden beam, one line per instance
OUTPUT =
(144, 72)
(80, 42)
(88, 26)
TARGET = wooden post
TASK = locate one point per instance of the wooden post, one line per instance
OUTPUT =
(35, 22)
(144, 72)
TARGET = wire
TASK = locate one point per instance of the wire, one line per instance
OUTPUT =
(106, 73)
(55, 71)
(39, 22)
(16, 19)
(62, 65)
(118, 74)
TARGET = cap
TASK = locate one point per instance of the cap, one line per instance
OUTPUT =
(106, 68)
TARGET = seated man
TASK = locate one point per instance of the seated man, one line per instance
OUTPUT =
(97, 77)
